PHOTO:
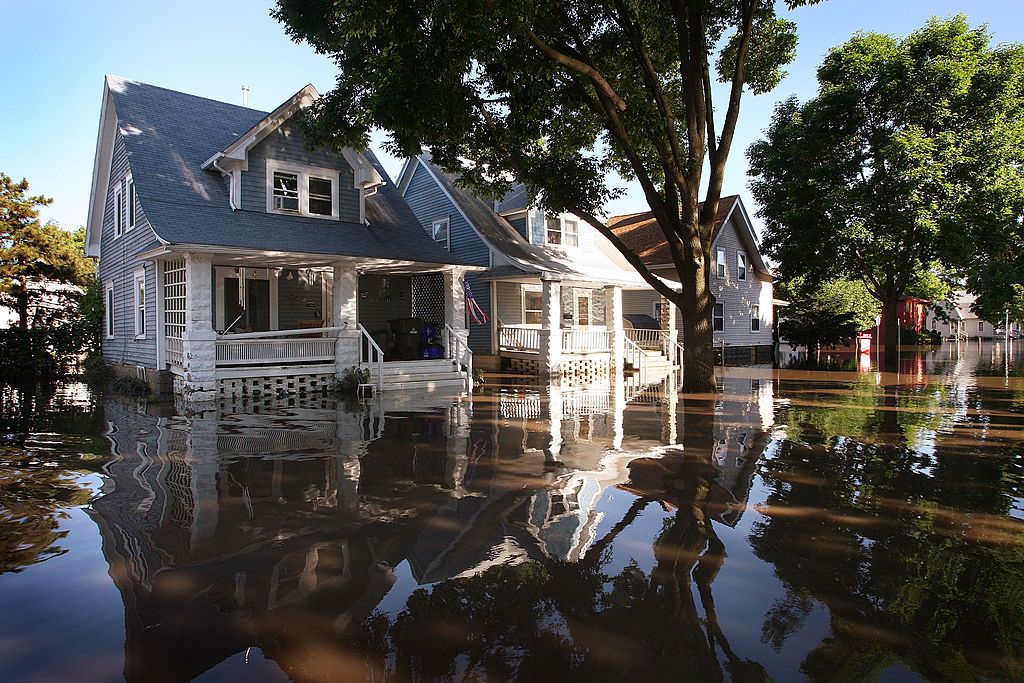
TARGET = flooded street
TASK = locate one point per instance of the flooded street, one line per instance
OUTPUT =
(799, 524)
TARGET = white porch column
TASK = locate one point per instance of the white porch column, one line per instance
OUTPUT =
(455, 302)
(668, 324)
(200, 340)
(616, 331)
(551, 328)
(344, 299)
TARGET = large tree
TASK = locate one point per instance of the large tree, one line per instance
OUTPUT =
(38, 262)
(909, 156)
(559, 95)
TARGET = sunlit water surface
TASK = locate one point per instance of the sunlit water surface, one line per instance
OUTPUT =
(842, 525)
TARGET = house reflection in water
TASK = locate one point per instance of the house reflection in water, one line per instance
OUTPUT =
(249, 527)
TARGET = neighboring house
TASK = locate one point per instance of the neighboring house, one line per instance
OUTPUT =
(738, 277)
(955, 318)
(235, 261)
(552, 297)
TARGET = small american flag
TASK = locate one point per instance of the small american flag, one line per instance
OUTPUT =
(476, 314)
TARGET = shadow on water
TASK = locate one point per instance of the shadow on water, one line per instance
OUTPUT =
(835, 525)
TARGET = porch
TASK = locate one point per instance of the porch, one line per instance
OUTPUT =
(554, 325)
(238, 324)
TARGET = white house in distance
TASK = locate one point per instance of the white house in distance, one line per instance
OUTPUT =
(739, 278)
(962, 322)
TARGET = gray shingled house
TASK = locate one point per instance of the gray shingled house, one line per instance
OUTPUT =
(237, 261)
(552, 298)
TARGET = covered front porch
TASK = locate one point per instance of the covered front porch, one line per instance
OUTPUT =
(236, 323)
(555, 324)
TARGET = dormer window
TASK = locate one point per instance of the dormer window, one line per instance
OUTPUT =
(571, 233)
(286, 192)
(439, 231)
(302, 191)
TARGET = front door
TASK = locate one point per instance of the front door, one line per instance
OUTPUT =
(254, 314)
(582, 308)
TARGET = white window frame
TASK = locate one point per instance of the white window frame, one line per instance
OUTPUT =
(447, 222)
(548, 229)
(304, 173)
(532, 289)
(119, 209)
(656, 310)
(981, 326)
(718, 306)
(574, 234)
(755, 318)
(108, 309)
(741, 265)
(139, 302)
(131, 202)
(720, 262)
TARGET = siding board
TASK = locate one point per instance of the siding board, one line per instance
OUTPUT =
(117, 265)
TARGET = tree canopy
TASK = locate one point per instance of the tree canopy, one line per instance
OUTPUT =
(909, 158)
(829, 314)
(42, 267)
(560, 96)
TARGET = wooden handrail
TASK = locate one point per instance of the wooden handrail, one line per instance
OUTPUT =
(281, 333)
(380, 356)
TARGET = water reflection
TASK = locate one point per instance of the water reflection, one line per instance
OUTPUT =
(795, 524)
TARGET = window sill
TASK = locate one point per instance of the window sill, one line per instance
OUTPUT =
(299, 214)
(139, 337)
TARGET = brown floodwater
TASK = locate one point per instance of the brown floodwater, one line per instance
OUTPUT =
(837, 524)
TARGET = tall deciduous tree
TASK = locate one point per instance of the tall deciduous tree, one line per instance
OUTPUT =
(825, 314)
(910, 154)
(558, 95)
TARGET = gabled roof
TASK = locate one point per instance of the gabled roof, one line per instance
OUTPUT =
(169, 137)
(641, 233)
(500, 236)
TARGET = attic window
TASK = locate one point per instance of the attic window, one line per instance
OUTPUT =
(286, 192)
(301, 190)
(554, 226)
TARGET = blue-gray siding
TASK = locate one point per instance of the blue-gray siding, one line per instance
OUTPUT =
(428, 202)
(285, 144)
(117, 265)
(519, 224)
(298, 300)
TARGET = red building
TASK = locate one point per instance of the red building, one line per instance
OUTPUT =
(911, 313)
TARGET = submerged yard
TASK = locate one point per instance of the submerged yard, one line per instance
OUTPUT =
(828, 525)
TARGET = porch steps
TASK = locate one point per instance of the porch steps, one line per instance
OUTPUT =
(419, 375)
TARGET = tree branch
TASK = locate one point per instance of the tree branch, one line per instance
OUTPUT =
(579, 66)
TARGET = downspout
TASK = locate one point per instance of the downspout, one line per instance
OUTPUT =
(231, 180)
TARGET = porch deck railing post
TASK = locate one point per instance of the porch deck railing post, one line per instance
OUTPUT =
(344, 298)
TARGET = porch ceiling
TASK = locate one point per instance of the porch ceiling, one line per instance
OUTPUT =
(286, 259)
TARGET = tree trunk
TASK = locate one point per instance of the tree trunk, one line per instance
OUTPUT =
(890, 345)
(698, 335)
(22, 298)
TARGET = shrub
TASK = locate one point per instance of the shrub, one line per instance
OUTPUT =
(350, 381)
(128, 386)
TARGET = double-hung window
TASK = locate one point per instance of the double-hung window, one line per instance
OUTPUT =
(718, 318)
(139, 287)
(321, 196)
(439, 231)
(119, 209)
(981, 326)
(130, 197)
(554, 229)
(571, 233)
(755, 318)
(302, 191)
(741, 266)
(286, 192)
(108, 305)
(720, 262)
(533, 299)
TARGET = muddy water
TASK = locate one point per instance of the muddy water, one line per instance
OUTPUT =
(798, 524)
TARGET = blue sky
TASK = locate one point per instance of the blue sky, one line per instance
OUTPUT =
(56, 53)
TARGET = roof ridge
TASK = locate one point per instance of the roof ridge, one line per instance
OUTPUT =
(186, 94)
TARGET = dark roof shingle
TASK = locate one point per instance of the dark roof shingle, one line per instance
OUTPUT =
(169, 135)
(641, 233)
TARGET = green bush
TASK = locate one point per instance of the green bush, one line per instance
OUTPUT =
(349, 382)
(128, 386)
(95, 371)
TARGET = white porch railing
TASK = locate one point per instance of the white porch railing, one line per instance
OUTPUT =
(515, 338)
(315, 345)
(645, 339)
(673, 349)
(635, 354)
(175, 352)
(461, 355)
(582, 341)
(370, 354)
